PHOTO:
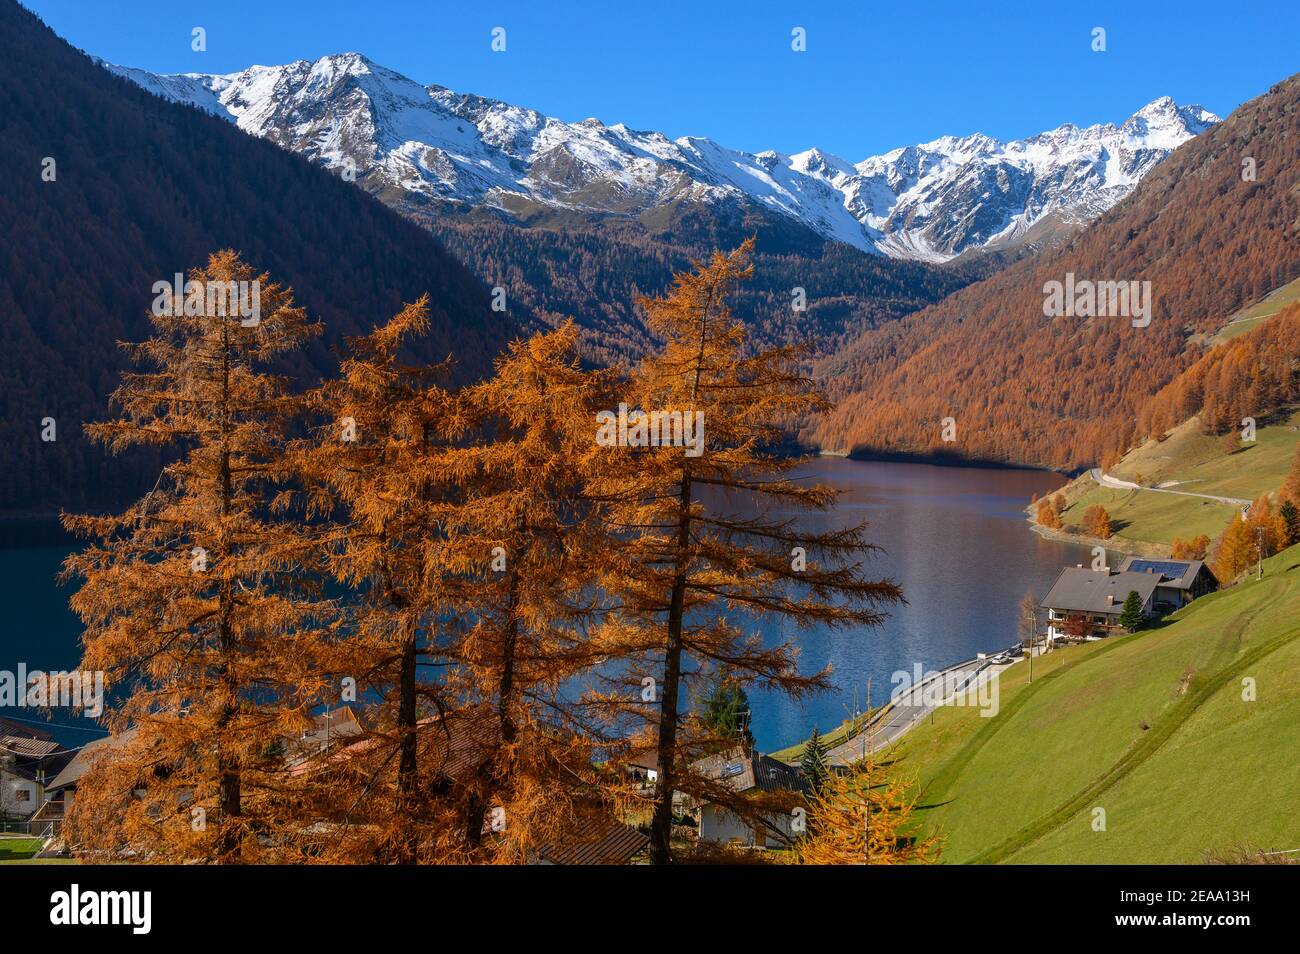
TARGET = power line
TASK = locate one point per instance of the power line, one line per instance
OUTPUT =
(58, 725)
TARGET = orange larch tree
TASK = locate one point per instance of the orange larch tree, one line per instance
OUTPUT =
(863, 816)
(1234, 550)
(376, 493)
(1290, 490)
(194, 600)
(528, 540)
(692, 573)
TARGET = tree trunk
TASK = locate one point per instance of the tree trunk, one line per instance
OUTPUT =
(661, 826)
(506, 684)
(229, 789)
(406, 765)
(489, 771)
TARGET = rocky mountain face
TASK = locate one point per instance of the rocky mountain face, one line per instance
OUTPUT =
(418, 146)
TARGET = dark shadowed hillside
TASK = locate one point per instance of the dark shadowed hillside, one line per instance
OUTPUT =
(1062, 392)
(144, 189)
(595, 272)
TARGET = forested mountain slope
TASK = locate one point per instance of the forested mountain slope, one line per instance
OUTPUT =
(1213, 227)
(595, 273)
(142, 189)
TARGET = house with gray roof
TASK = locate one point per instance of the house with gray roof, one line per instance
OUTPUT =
(1095, 598)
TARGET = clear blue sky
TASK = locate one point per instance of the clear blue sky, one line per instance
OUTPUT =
(875, 75)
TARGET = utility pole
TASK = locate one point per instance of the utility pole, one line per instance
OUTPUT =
(1259, 549)
(1033, 638)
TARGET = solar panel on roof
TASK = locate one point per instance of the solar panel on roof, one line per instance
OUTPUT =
(1163, 567)
(734, 769)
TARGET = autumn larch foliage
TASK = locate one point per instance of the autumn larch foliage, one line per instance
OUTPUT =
(1096, 522)
(1249, 537)
(1062, 392)
(460, 524)
(1267, 526)
(529, 536)
(1250, 375)
(487, 581)
(193, 601)
(1193, 549)
(374, 490)
(1290, 489)
(1234, 550)
(864, 816)
(689, 572)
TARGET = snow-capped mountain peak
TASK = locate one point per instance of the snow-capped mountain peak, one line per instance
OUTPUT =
(415, 144)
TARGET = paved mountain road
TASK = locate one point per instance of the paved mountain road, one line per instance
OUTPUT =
(912, 706)
(1106, 480)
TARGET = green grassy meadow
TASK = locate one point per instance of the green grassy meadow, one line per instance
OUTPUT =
(1145, 517)
(1153, 728)
(1197, 463)
(1250, 318)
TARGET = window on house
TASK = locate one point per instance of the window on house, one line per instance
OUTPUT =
(22, 795)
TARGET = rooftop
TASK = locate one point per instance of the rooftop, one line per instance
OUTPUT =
(606, 842)
(1175, 574)
(22, 730)
(1082, 590)
(744, 772)
(29, 751)
(84, 759)
(32, 748)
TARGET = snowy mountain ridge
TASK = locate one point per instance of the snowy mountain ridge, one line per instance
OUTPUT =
(414, 145)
